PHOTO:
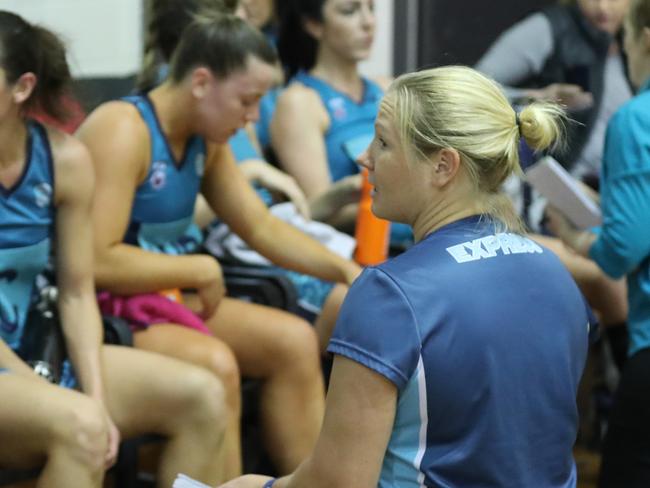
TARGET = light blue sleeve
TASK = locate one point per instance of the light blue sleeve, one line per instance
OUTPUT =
(624, 240)
(377, 328)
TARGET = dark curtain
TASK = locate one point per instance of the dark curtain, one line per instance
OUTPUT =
(459, 31)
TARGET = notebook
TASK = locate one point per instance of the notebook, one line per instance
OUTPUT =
(562, 191)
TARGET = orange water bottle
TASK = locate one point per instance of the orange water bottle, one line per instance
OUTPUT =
(173, 294)
(372, 234)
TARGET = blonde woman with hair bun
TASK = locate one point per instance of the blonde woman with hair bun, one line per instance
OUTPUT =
(457, 362)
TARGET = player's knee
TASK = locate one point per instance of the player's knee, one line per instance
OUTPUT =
(223, 364)
(81, 428)
(300, 347)
(204, 397)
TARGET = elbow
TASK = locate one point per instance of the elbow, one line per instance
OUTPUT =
(103, 271)
(615, 264)
(617, 255)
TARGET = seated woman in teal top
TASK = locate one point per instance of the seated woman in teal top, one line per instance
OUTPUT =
(46, 188)
(324, 119)
(220, 69)
(621, 247)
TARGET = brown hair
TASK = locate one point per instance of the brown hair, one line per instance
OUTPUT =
(222, 43)
(27, 48)
(167, 21)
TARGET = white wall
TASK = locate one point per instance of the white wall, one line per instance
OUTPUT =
(380, 62)
(104, 37)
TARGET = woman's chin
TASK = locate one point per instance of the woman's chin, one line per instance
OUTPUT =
(378, 212)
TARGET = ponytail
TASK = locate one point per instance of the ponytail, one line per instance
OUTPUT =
(54, 77)
(540, 125)
(167, 21)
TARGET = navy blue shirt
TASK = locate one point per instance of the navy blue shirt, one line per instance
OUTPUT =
(485, 336)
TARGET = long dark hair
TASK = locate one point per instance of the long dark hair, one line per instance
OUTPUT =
(27, 48)
(297, 48)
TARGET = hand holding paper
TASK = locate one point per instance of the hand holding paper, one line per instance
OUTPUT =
(563, 192)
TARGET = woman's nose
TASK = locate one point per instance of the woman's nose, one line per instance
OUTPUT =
(364, 160)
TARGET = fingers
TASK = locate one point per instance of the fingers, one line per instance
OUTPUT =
(556, 222)
(570, 95)
(113, 444)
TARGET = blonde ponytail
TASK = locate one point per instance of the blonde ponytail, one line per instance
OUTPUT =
(541, 125)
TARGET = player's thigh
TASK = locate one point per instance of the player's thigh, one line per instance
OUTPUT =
(191, 346)
(35, 415)
(264, 338)
(151, 393)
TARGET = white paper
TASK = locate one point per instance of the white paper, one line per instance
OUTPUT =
(562, 191)
(183, 481)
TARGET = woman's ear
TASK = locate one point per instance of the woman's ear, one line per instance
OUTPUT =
(201, 78)
(23, 88)
(646, 38)
(314, 28)
(445, 166)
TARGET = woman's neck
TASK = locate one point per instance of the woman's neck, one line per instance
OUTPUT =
(171, 103)
(444, 210)
(13, 134)
(340, 73)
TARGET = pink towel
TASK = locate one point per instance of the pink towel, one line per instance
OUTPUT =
(148, 309)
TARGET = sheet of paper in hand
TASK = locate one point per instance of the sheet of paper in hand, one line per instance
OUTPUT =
(562, 191)
(183, 481)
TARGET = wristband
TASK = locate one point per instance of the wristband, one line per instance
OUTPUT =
(269, 483)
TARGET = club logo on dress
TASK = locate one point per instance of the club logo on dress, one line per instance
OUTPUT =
(158, 177)
(337, 105)
(43, 194)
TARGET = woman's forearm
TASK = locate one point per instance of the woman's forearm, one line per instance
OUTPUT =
(290, 248)
(127, 270)
(82, 328)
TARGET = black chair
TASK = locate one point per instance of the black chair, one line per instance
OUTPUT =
(261, 285)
